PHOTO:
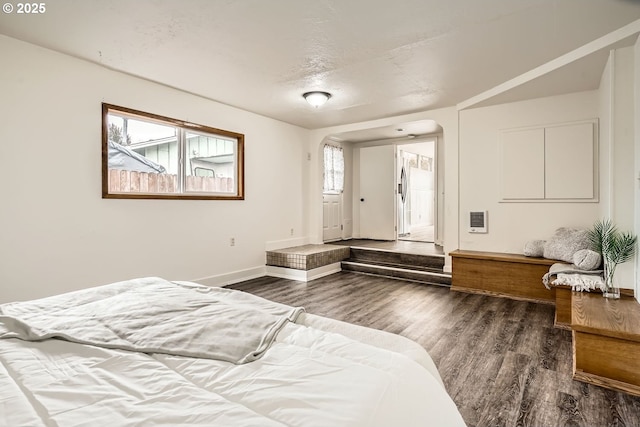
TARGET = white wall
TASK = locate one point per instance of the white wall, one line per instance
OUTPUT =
(58, 234)
(604, 106)
(622, 168)
(622, 172)
(513, 224)
(619, 151)
(636, 106)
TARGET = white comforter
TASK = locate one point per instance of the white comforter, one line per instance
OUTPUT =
(153, 315)
(308, 377)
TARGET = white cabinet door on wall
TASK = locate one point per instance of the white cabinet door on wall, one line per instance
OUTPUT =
(522, 164)
(569, 161)
(549, 163)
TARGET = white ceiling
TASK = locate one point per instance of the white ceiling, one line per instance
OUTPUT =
(378, 58)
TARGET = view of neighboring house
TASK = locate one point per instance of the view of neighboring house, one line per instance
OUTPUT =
(142, 146)
(208, 156)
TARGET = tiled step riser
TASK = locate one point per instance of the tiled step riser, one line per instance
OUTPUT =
(307, 257)
(364, 255)
(398, 273)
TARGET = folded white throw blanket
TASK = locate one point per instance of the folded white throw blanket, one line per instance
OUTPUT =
(569, 274)
(153, 315)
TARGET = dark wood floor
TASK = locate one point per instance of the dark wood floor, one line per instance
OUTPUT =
(502, 361)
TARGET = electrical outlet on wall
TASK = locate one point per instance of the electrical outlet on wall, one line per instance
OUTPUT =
(292, 231)
(232, 241)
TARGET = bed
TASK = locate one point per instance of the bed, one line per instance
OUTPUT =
(151, 352)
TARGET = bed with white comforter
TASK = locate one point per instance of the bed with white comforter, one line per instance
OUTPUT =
(149, 352)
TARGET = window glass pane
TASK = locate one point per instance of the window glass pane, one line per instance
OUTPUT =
(142, 156)
(211, 164)
(333, 169)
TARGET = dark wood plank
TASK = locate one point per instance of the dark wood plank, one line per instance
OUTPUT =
(538, 406)
(508, 389)
(501, 360)
(569, 412)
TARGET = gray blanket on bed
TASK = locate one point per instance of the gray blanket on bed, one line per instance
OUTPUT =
(153, 315)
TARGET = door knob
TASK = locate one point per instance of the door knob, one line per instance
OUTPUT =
(362, 200)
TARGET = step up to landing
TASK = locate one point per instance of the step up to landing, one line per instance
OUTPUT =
(396, 272)
(399, 265)
(306, 262)
(310, 262)
(373, 255)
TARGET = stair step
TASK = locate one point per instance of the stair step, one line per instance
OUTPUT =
(307, 257)
(418, 268)
(370, 255)
(399, 272)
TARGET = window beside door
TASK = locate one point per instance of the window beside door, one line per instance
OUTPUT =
(333, 169)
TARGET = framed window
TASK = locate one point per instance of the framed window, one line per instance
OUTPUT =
(146, 156)
(333, 169)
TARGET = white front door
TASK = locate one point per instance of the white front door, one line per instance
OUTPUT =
(377, 193)
(331, 217)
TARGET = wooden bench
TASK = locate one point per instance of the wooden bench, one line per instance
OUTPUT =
(606, 341)
(501, 274)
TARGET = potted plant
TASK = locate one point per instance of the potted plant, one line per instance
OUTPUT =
(616, 248)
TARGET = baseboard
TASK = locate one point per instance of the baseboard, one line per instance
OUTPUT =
(286, 243)
(501, 295)
(222, 280)
(303, 275)
(610, 383)
(628, 292)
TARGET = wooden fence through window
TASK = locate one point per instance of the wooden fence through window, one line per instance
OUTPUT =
(125, 181)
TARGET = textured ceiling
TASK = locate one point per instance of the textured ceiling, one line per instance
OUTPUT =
(378, 58)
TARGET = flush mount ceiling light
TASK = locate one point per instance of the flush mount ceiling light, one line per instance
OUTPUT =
(316, 98)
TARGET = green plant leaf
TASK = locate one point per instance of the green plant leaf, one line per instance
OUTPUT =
(615, 247)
